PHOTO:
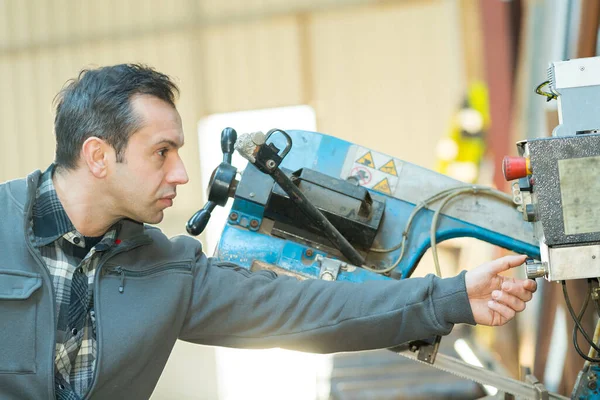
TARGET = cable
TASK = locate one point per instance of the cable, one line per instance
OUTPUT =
(549, 95)
(436, 215)
(578, 326)
(444, 195)
(595, 300)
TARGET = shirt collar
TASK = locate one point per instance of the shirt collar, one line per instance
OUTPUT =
(50, 220)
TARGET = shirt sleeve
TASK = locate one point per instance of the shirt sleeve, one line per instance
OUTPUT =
(234, 307)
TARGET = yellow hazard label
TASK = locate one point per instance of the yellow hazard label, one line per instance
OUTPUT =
(383, 187)
(367, 160)
(389, 168)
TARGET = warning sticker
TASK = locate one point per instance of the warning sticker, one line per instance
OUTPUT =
(372, 170)
(362, 174)
(367, 160)
(389, 168)
(383, 186)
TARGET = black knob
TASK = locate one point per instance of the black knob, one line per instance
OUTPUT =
(198, 222)
(228, 138)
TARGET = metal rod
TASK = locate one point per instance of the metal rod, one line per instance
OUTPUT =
(485, 377)
(317, 217)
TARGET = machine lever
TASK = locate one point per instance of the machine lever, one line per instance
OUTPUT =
(198, 222)
(266, 157)
(222, 185)
(228, 139)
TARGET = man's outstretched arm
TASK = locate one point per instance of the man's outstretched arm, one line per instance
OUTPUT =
(235, 308)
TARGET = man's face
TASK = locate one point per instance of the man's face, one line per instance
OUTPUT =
(145, 183)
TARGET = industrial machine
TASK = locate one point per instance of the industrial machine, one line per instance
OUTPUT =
(557, 187)
(313, 206)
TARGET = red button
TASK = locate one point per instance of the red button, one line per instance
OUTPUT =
(515, 168)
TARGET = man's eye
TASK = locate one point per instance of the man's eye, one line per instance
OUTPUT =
(162, 152)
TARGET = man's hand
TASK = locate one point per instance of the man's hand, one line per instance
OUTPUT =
(496, 299)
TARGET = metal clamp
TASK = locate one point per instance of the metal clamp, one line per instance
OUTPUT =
(330, 268)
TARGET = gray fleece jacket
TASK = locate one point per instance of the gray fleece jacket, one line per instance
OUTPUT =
(171, 290)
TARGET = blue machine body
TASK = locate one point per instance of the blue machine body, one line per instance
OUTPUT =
(243, 240)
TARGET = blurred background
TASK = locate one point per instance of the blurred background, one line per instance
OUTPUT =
(445, 84)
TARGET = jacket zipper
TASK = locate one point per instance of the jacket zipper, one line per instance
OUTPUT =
(96, 292)
(48, 282)
(122, 272)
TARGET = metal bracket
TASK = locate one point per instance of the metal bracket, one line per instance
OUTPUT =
(330, 268)
(427, 349)
(542, 392)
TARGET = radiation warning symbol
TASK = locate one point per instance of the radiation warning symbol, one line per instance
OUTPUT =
(383, 187)
(367, 160)
(389, 168)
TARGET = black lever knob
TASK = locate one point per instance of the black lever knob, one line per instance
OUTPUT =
(228, 138)
(198, 222)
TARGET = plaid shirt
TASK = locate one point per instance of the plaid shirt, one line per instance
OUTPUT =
(72, 264)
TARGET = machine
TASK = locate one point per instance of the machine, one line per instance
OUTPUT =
(557, 187)
(313, 206)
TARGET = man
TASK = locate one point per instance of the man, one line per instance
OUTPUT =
(92, 300)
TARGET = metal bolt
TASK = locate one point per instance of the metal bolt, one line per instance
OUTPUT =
(252, 194)
(327, 276)
(309, 252)
(592, 385)
(270, 164)
(254, 223)
(233, 216)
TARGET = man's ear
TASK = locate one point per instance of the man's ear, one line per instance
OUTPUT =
(96, 154)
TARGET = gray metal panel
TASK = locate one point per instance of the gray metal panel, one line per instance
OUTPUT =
(545, 155)
(255, 186)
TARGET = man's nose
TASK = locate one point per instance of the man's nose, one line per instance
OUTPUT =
(178, 175)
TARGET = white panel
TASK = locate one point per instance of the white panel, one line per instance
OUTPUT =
(388, 77)
(254, 65)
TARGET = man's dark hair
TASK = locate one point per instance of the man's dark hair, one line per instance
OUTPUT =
(98, 103)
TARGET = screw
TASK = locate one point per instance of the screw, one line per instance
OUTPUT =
(252, 194)
(271, 164)
(592, 385)
(233, 216)
(309, 252)
(254, 223)
(581, 68)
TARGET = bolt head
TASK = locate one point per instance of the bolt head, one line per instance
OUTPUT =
(327, 276)
(233, 216)
(254, 223)
(592, 385)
